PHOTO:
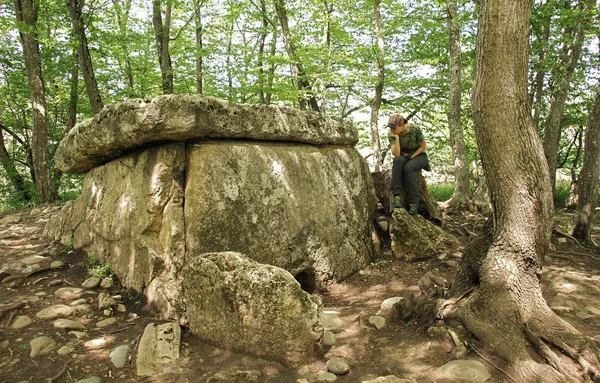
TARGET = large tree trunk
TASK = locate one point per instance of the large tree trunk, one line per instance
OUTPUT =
(588, 180)
(304, 87)
(12, 173)
(74, 94)
(496, 294)
(378, 88)
(162, 34)
(460, 198)
(85, 58)
(568, 60)
(27, 13)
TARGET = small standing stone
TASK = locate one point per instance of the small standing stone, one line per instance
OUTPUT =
(53, 312)
(41, 346)
(21, 321)
(338, 366)
(326, 376)
(304, 370)
(66, 350)
(328, 338)
(67, 324)
(332, 322)
(118, 356)
(33, 260)
(91, 283)
(107, 283)
(57, 264)
(377, 321)
(93, 379)
(106, 322)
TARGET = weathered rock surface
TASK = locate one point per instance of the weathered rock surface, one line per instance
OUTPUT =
(130, 124)
(414, 237)
(260, 309)
(388, 379)
(304, 209)
(41, 346)
(159, 346)
(130, 214)
(304, 203)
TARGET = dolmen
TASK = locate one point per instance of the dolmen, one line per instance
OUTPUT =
(226, 216)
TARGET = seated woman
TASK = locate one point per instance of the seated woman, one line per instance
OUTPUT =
(408, 147)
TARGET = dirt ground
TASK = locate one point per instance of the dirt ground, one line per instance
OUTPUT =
(570, 285)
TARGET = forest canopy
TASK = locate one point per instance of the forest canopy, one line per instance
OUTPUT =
(319, 55)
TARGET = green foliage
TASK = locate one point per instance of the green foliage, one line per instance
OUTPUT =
(441, 191)
(97, 267)
(562, 192)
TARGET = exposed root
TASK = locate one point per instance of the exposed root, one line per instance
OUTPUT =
(550, 356)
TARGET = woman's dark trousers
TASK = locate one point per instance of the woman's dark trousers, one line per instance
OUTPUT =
(404, 175)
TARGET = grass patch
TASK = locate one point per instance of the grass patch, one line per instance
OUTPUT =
(442, 191)
(97, 267)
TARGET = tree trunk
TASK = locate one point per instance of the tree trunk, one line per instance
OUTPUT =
(271, 74)
(537, 87)
(162, 34)
(378, 88)
(122, 14)
(568, 60)
(588, 180)
(26, 12)
(304, 87)
(12, 173)
(199, 48)
(496, 293)
(74, 94)
(460, 198)
(85, 58)
(261, 52)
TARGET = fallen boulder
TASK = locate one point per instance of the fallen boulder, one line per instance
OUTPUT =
(237, 303)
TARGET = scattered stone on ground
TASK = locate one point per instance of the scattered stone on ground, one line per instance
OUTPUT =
(332, 322)
(91, 283)
(118, 356)
(54, 311)
(328, 338)
(338, 366)
(41, 346)
(471, 371)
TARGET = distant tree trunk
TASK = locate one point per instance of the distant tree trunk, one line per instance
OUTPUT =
(199, 48)
(122, 20)
(587, 185)
(261, 52)
(496, 294)
(85, 58)
(74, 94)
(304, 87)
(326, 42)
(271, 73)
(378, 88)
(460, 198)
(12, 173)
(568, 60)
(162, 34)
(538, 83)
(27, 13)
(228, 62)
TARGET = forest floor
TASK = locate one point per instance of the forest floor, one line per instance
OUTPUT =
(571, 285)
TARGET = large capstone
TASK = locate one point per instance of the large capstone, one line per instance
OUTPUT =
(134, 123)
(240, 304)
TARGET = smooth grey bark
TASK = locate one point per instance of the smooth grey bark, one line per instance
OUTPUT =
(588, 180)
(460, 197)
(568, 60)
(162, 35)
(27, 14)
(85, 58)
(497, 294)
(374, 122)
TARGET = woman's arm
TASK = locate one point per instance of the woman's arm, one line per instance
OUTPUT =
(395, 146)
(421, 149)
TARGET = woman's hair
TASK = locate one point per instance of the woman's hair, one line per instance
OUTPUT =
(397, 119)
